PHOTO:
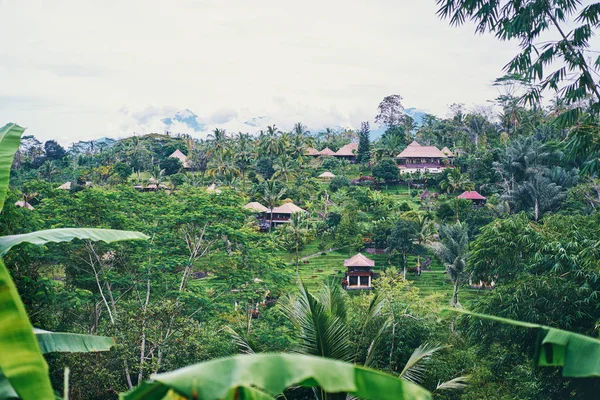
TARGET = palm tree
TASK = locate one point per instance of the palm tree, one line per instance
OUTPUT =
(297, 230)
(322, 329)
(454, 181)
(157, 176)
(271, 195)
(453, 251)
(219, 139)
(425, 229)
(284, 168)
(269, 141)
(48, 170)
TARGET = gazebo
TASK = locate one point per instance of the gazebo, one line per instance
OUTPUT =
(476, 198)
(359, 274)
(326, 176)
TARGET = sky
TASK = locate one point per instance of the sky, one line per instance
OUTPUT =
(77, 69)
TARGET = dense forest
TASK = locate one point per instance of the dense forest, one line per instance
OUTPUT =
(332, 243)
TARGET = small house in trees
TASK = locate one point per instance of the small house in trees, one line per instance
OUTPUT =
(326, 152)
(24, 204)
(65, 186)
(260, 212)
(326, 176)
(282, 214)
(185, 161)
(417, 158)
(213, 189)
(359, 274)
(347, 152)
(476, 198)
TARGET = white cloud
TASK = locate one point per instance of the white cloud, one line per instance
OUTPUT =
(82, 69)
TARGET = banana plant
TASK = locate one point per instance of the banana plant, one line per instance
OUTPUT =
(21, 360)
(266, 376)
(59, 342)
(578, 355)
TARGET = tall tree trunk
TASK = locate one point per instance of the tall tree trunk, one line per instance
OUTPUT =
(536, 209)
(454, 302)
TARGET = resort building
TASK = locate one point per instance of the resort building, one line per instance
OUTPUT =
(281, 214)
(359, 274)
(417, 158)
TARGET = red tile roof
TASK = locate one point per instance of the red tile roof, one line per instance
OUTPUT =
(471, 195)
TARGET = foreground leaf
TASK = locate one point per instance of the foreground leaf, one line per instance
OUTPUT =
(10, 137)
(62, 342)
(579, 355)
(21, 360)
(66, 235)
(52, 342)
(262, 376)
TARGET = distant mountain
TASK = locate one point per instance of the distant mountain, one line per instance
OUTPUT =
(186, 117)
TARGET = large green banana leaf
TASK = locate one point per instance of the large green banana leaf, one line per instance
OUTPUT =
(264, 376)
(10, 137)
(66, 235)
(64, 342)
(579, 355)
(53, 342)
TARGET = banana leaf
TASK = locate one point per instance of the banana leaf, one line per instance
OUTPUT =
(265, 376)
(66, 235)
(53, 342)
(10, 137)
(579, 355)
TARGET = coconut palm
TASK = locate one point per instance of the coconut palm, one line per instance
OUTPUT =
(271, 195)
(425, 229)
(284, 168)
(453, 252)
(297, 232)
(219, 139)
(269, 141)
(455, 180)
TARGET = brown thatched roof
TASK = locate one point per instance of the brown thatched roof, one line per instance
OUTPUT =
(417, 151)
(347, 150)
(287, 208)
(24, 204)
(327, 174)
(256, 206)
(181, 157)
(65, 186)
(447, 152)
(326, 152)
(414, 143)
(311, 151)
(359, 261)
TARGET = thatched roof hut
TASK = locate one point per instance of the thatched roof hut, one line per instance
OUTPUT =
(359, 261)
(256, 206)
(327, 175)
(24, 204)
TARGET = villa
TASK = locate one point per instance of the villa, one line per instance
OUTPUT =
(417, 158)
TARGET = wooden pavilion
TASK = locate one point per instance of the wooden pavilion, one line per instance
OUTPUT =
(476, 198)
(359, 274)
